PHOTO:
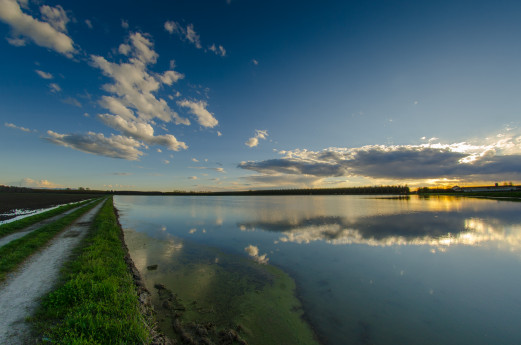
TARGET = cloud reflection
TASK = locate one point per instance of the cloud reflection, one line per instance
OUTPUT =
(421, 228)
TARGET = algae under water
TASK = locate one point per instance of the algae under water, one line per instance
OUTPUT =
(201, 292)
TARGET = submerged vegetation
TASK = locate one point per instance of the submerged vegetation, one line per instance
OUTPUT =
(13, 254)
(205, 296)
(96, 303)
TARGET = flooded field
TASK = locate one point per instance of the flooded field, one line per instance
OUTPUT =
(367, 270)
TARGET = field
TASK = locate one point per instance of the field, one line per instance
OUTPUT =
(33, 201)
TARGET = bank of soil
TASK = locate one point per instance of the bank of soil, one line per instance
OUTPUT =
(12, 204)
(20, 293)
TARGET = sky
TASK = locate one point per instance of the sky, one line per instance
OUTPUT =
(244, 94)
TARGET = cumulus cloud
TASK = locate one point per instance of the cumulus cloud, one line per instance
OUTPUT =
(134, 86)
(431, 160)
(116, 146)
(141, 131)
(43, 74)
(50, 32)
(203, 116)
(254, 141)
(11, 125)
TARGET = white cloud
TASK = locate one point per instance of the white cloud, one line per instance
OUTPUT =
(49, 33)
(192, 178)
(135, 86)
(219, 134)
(116, 146)
(142, 131)
(124, 49)
(88, 23)
(187, 33)
(124, 24)
(170, 77)
(11, 125)
(192, 36)
(171, 27)
(254, 141)
(255, 62)
(204, 117)
(16, 41)
(218, 50)
(43, 74)
(195, 160)
(55, 87)
(55, 16)
(166, 161)
(29, 182)
(72, 101)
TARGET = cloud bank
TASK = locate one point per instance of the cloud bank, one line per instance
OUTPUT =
(501, 156)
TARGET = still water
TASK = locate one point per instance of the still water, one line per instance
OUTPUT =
(369, 270)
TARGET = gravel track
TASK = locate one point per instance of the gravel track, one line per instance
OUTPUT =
(22, 290)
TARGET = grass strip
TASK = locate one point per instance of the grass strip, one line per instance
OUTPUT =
(9, 228)
(15, 252)
(97, 301)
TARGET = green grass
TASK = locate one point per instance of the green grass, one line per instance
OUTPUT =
(13, 254)
(96, 302)
(9, 228)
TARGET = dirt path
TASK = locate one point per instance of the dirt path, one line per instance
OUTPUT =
(22, 232)
(20, 294)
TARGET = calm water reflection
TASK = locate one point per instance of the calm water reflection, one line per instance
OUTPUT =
(369, 270)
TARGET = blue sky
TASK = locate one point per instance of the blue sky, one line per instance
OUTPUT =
(244, 94)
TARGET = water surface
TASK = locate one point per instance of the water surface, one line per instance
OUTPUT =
(369, 270)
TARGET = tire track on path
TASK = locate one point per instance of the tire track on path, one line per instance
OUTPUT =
(22, 290)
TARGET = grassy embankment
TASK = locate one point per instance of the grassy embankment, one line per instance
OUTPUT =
(9, 228)
(13, 254)
(96, 302)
